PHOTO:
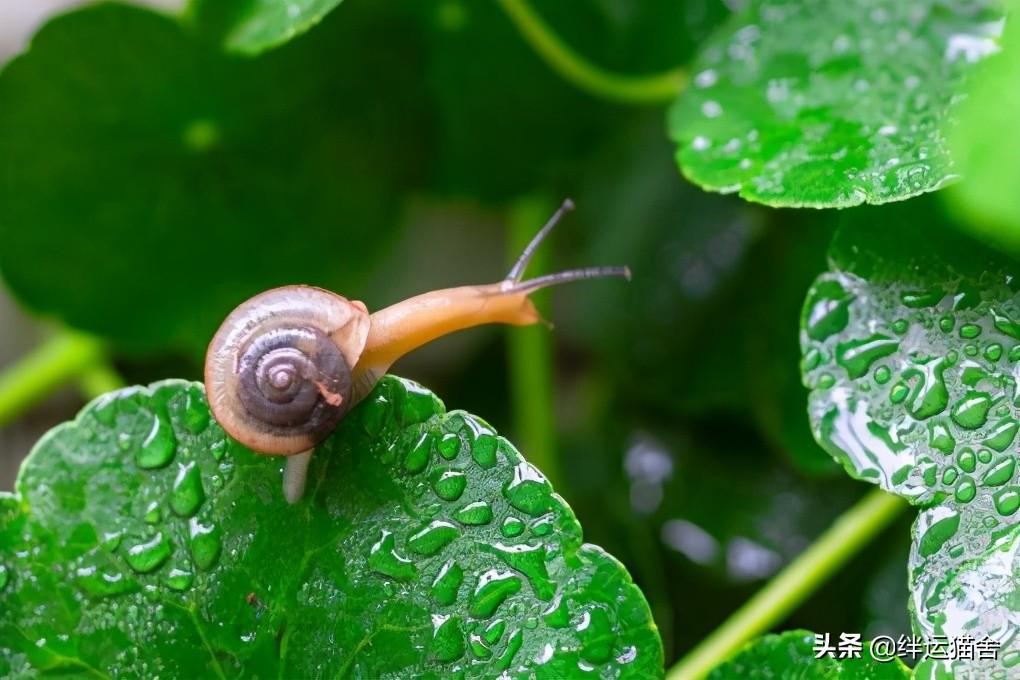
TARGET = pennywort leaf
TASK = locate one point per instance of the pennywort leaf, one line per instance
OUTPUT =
(142, 541)
(831, 103)
(910, 346)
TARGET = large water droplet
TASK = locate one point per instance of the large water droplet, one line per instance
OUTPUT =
(446, 585)
(449, 445)
(971, 412)
(1002, 434)
(596, 634)
(857, 356)
(1000, 473)
(433, 538)
(149, 555)
(449, 484)
(827, 310)
(929, 396)
(384, 559)
(493, 588)
(530, 561)
(101, 583)
(205, 544)
(157, 448)
(418, 457)
(1007, 501)
(447, 638)
(939, 531)
(196, 412)
(529, 491)
(475, 514)
(512, 526)
(187, 493)
(179, 579)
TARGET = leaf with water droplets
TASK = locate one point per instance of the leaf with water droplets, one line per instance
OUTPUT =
(791, 655)
(831, 103)
(198, 567)
(932, 410)
(253, 26)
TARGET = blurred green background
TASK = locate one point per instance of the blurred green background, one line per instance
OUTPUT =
(404, 146)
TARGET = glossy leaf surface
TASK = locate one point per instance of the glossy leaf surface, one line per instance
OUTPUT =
(830, 103)
(143, 541)
(911, 344)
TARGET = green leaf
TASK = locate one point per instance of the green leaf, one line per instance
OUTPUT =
(142, 540)
(988, 159)
(227, 176)
(791, 655)
(830, 103)
(910, 349)
(253, 26)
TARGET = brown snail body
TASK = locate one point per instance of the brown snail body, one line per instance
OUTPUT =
(288, 364)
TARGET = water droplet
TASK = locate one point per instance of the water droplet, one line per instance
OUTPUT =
(596, 634)
(433, 538)
(542, 526)
(494, 631)
(946, 323)
(857, 356)
(475, 514)
(900, 326)
(447, 583)
(984, 456)
(4, 576)
(418, 457)
(478, 648)
(882, 375)
(205, 544)
(179, 579)
(971, 412)
(898, 393)
(923, 298)
(149, 555)
(484, 451)
(101, 583)
(1002, 434)
(969, 331)
(493, 588)
(157, 449)
(967, 460)
(1004, 324)
(827, 306)
(187, 493)
(449, 445)
(1007, 501)
(447, 638)
(993, 352)
(528, 560)
(825, 381)
(384, 559)
(153, 515)
(940, 438)
(929, 395)
(196, 412)
(812, 359)
(965, 490)
(1014, 353)
(1000, 473)
(529, 491)
(938, 532)
(449, 484)
(949, 476)
(512, 526)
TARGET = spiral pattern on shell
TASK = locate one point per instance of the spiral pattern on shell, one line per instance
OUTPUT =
(278, 372)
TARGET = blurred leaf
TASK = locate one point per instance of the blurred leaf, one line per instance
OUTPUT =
(143, 539)
(910, 347)
(257, 25)
(988, 151)
(830, 103)
(143, 157)
(791, 655)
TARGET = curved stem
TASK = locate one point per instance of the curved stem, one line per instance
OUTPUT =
(657, 88)
(851, 531)
(60, 359)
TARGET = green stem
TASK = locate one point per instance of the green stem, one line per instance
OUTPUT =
(851, 531)
(530, 354)
(100, 379)
(60, 359)
(657, 88)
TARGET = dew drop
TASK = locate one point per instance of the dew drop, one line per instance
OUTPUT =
(418, 457)
(179, 579)
(827, 310)
(205, 544)
(446, 585)
(149, 555)
(597, 636)
(475, 514)
(449, 445)
(1007, 501)
(433, 538)
(529, 491)
(447, 638)
(4, 576)
(187, 493)
(940, 531)
(971, 412)
(449, 484)
(969, 331)
(965, 490)
(493, 588)
(1000, 473)
(157, 448)
(484, 451)
(196, 412)
(512, 526)
(384, 559)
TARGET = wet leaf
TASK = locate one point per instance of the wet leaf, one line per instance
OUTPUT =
(791, 655)
(229, 176)
(830, 102)
(910, 349)
(425, 544)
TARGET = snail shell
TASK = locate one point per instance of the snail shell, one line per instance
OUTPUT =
(278, 371)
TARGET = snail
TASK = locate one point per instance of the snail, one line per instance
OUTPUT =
(287, 365)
